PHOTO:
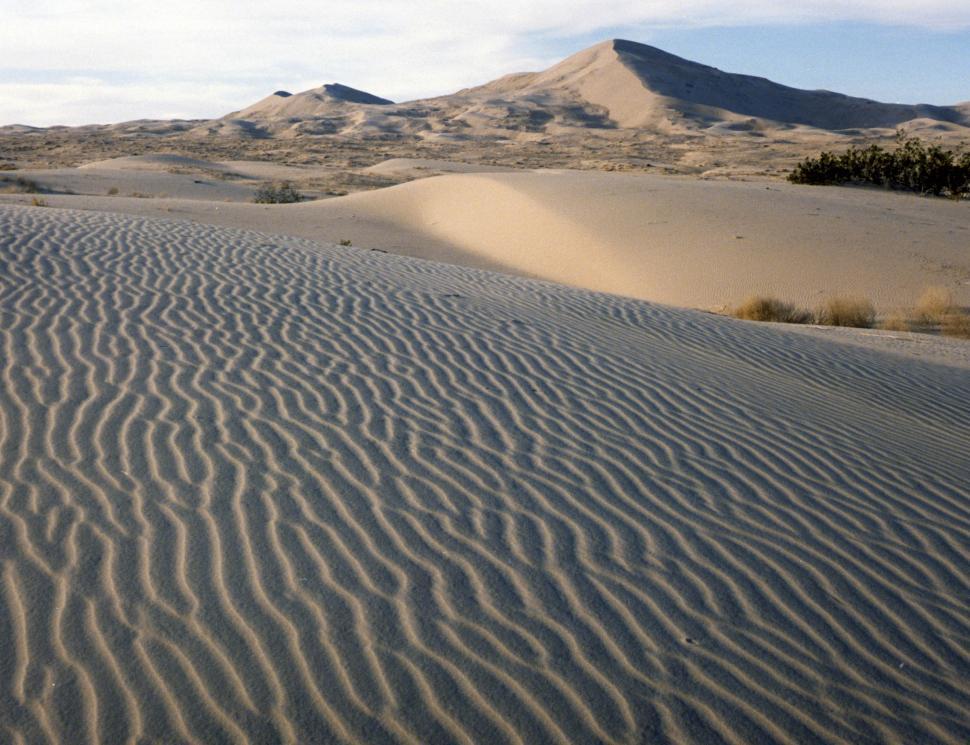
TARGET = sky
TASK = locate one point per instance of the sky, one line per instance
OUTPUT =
(99, 61)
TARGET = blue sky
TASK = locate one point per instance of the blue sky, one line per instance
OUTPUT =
(83, 61)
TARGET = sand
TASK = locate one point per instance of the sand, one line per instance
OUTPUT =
(262, 489)
(686, 242)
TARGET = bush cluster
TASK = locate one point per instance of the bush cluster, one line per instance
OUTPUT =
(912, 166)
(935, 312)
(836, 311)
(282, 193)
(19, 185)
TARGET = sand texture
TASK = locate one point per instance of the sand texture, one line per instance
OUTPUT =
(264, 490)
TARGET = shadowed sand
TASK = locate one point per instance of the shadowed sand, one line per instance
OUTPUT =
(264, 490)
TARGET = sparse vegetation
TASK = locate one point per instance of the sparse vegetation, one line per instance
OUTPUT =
(38, 202)
(896, 322)
(847, 311)
(8, 166)
(911, 166)
(346, 242)
(761, 308)
(957, 323)
(279, 193)
(112, 191)
(19, 185)
(935, 304)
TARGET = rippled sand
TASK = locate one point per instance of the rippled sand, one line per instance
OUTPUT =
(266, 490)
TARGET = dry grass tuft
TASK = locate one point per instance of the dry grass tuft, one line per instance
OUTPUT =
(847, 311)
(956, 324)
(760, 308)
(897, 321)
(935, 304)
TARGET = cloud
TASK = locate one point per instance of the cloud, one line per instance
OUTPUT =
(208, 50)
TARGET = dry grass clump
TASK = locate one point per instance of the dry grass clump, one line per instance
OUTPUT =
(761, 308)
(897, 321)
(847, 311)
(956, 324)
(934, 305)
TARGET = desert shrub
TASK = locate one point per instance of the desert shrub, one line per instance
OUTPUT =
(346, 242)
(934, 305)
(760, 308)
(912, 165)
(20, 185)
(281, 193)
(956, 324)
(847, 311)
(38, 202)
(112, 191)
(8, 166)
(896, 322)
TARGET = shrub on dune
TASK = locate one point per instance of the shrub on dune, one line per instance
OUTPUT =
(281, 193)
(935, 304)
(912, 166)
(896, 322)
(847, 311)
(762, 308)
(956, 324)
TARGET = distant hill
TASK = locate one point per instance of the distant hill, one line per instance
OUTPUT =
(616, 85)
(640, 86)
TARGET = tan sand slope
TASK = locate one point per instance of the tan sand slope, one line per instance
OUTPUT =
(685, 242)
(703, 244)
(423, 167)
(263, 490)
(169, 176)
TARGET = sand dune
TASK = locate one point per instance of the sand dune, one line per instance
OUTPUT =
(702, 244)
(614, 85)
(263, 490)
(678, 241)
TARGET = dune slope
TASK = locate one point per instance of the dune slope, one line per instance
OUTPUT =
(684, 242)
(262, 490)
(701, 244)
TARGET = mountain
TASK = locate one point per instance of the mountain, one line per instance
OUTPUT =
(616, 84)
(318, 111)
(639, 86)
(315, 102)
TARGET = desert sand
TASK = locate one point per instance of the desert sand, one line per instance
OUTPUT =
(456, 452)
(705, 244)
(262, 489)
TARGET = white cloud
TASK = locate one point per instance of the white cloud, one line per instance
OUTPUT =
(216, 49)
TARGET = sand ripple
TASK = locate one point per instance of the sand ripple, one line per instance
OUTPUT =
(260, 490)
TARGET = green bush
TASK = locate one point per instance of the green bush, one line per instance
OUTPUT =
(281, 193)
(912, 166)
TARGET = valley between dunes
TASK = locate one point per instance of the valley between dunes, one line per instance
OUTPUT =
(261, 489)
